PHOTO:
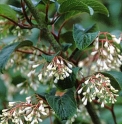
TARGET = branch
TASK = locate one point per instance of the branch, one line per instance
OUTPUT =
(92, 112)
(113, 114)
(20, 25)
(40, 18)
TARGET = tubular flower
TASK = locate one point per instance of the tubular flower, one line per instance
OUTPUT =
(98, 87)
(59, 68)
(108, 55)
(18, 113)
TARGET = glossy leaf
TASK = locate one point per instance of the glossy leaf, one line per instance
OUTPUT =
(49, 58)
(64, 106)
(7, 11)
(68, 38)
(17, 9)
(96, 6)
(70, 14)
(73, 5)
(8, 50)
(65, 46)
(115, 77)
(83, 38)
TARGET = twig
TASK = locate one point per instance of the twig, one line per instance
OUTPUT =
(21, 26)
(25, 14)
(92, 112)
(40, 18)
(46, 17)
(113, 114)
(59, 32)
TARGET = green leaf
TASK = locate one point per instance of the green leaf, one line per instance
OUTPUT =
(8, 50)
(49, 58)
(17, 79)
(68, 38)
(7, 11)
(115, 78)
(73, 5)
(64, 106)
(83, 38)
(96, 6)
(68, 15)
(65, 46)
(17, 9)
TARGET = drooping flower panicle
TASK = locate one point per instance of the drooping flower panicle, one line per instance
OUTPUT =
(108, 55)
(59, 68)
(98, 87)
(19, 112)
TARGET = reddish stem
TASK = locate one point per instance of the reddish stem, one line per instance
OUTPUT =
(25, 14)
(21, 26)
(59, 32)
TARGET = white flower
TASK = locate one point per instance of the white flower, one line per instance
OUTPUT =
(31, 73)
(59, 68)
(69, 65)
(102, 105)
(98, 86)
(111, 49)
(20, 84)
(40, 76)
(85, 102)
(96, 44)
(93, 53)
(79, 91)
(49, 67)
(11, 104)
(56, 80)
(34, 66)
(115, 39)
(106, 44)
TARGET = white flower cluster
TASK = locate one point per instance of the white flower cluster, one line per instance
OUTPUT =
(98, 87)
(24, 65)
(18, 113)
(109, 56)
(59, 68)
